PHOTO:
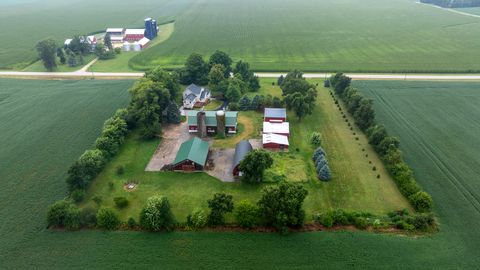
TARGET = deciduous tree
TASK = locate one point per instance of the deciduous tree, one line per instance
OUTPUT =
(254, 165)
(46, 51)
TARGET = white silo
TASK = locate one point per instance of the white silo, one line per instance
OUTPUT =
(136, 47)
(126, 47)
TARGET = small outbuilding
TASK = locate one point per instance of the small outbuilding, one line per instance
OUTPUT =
(134, 34)
(192, 156)
(241, 151)
(278, 115)
(275, 142)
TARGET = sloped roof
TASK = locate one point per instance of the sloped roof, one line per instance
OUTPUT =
(191, 97)
(275, 138)
(134, 31)
(195, 150)
(275, 113)
(197, 90)
(211, 118)
(279, 128)
(114, 30)
(241, 150)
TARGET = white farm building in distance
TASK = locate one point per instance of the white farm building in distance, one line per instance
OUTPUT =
(134, 39)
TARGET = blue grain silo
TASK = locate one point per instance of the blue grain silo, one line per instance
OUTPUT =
(149, 31)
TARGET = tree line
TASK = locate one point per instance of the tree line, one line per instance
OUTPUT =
(361, 108)
(280, 206)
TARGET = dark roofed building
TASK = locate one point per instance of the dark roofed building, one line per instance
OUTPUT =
(241, 151)
(275, 115)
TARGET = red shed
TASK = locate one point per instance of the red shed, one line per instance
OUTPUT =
(134, 34)
(275, 142)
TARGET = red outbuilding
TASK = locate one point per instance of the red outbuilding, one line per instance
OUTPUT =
(275, 115)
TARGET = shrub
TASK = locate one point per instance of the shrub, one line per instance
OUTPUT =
(111, 186)
(118, 50)
(361, 223)
(324, 219)
(421, 201)
(107, 219)
(254, 165)
(281, 206)
(324, 174)
(77, 195)
(423, 221)
(131, 222)
(97, 200)
(219, 205)
(197, 219)
(82, 172)
(318, 153)
(88, 217)
(63, 214)
(120, 202)
(316, 139)
(157, 215)
(246, 214)
(120, 170)
(233, 106)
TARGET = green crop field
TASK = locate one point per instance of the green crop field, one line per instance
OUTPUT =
(474, 11)
(46, 125)
(347, 35)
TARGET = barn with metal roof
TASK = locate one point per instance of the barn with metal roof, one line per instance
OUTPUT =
(192, 155)
(241, 151)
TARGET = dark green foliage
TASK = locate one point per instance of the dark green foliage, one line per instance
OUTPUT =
(319, 152)
(216, 76)
(277, 102)
(196, 70)
(387, 144)
(324, 219)
(103, 54)
(299, 94)
(233, 106)
(63, 214)
(82, 172)
(166, 80)
(197, 219)
(173, 113)
(120, 170)
(219, 205)
(131, 223)
(157, 215)
(46, 52)
(120, 202)
(376, 134)
(361, 223)
(77, 195)
(364, 115)
(247, 75)
(255, 104)
(281, 205)
(453, 3)
(107, 219)
(280, 80)
(107, 41)
(246, 214)
(79, 46)
(340, 82)
(254, 165)
(316, 139)
(234, 92)
(244, 103)
(61, 56)
(421, 201)
(88, 217)
(221, 58)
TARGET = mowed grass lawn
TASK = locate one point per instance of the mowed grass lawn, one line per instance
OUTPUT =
(38, 66)
(45, 126)
(354, 185)
(347, 35)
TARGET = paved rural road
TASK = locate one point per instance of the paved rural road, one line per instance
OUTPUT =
(356, 76)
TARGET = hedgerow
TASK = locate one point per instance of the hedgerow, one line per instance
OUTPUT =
(386, 146)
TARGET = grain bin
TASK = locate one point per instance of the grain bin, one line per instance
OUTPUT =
(220, 123)
(136, 47)
(126, 47)
(202, 124)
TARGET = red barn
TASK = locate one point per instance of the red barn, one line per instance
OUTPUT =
(282, 128)
(275, 115)
(275, 142)
(241, 151)
(134, 34)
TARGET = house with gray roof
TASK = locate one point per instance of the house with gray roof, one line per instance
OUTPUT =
(195, 96)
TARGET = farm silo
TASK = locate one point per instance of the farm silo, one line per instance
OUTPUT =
(202, 124)
(220, 123)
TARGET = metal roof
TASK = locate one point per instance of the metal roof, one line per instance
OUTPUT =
(275, 113)
(134, 31)
(275, 138)
(197, 90)
(211, 118)
(241, 150)
(278, 128)
(195, 150)
(114, 30)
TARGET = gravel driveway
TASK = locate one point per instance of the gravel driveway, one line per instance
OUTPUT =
(172, 137)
